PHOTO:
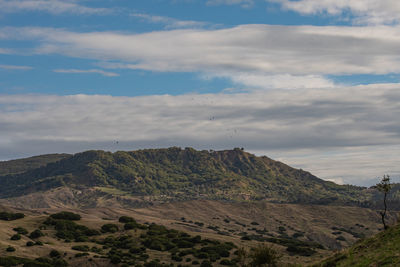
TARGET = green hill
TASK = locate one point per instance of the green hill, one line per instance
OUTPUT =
(382, 249)
(23, 165)
(178, 174)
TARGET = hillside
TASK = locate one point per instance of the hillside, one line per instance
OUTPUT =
(181, 174)
(300, 233)
(380, 250)
(23, 165)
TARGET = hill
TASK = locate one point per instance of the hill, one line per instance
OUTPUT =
(178, 174)
(379, 250)
(23, 165)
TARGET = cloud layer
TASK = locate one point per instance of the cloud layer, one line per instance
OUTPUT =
(170, 23)
(279, 123)
(362, 11)
(14, 67)
(80, 71)
(239, 53)
(54, 7)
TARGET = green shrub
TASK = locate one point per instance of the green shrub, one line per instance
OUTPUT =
(54, 254)
(341, 238)
(15, 237)
(126, 219)
(130, 225)
(299, 250)
(66, 215)
(264, 255)
(206, 263)
(21, 230)
(10, 249)
(281, 229)
(226, 262)
(109, 228)
(83, 254)
(69, 230)
(175, 257)
(36, 234)
(115, 259)
(81, 248)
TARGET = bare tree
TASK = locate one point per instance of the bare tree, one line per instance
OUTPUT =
(384, 186)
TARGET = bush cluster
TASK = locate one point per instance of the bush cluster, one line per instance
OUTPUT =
(9, 216)
(66, 215)
(69, 230)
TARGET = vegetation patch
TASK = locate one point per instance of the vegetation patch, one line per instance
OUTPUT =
(9, 216)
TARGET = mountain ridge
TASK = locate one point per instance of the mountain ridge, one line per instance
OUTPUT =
(176, 174)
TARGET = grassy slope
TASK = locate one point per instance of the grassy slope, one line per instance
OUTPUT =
(23, 165)
(181, 174)
(382, 249)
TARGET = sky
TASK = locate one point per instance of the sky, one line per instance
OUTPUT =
(312, 83)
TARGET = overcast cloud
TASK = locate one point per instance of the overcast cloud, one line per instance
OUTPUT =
(345, 120)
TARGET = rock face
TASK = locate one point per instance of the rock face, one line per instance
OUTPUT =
(175, 174)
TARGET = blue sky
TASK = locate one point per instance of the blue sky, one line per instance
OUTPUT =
(312, 83)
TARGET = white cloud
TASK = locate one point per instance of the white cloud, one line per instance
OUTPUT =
(364, 11)
(14, 67)
(357, 127)
(265, 49)
(50, 6)
(80, 71)
(279, 81)
(170, 23)
(243, 3)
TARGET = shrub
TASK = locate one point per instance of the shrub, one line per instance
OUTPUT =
(83, 254)
(9, 216)
(30, 244)
(36, 234)
(81, 248)
(297, 234)
(55, 254)
(299, 250)
(66, 215)
(254, 223)
(264, 255)
(281, 229)
(206, 263)
(10, 249)
(69, 230)
(225, 262)
(176, 258)
(341, 238)
(109, 228)
(115, 259)
(16, 237)
(126, 219)
(21, 230)
(130, 225)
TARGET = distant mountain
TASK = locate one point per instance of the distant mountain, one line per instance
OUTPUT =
(176, 174)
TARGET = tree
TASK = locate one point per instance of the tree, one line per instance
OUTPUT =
(384, 186)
